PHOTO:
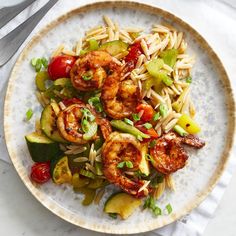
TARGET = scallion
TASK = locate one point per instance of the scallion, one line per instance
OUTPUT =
(121, 164)
(156, 116)
(169, 208)
(86, 78)
(152, 144)
(178, 129)
(189, 80)
(167, 80)
(163, 110)
(29, 114)
(136, 117)
(129, 164)
(147, 125)
(85, 125)
(128, 121)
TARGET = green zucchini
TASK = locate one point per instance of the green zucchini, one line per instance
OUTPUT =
(114, 47)
(41, 148)
(122, 204)
(49, 126)
(60, 170)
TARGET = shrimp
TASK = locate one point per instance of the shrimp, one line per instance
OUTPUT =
(89, 71)
(117, 148)
(168, 155)
(120, 98)
(69, 123)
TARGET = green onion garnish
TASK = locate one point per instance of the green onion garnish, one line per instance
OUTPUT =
(44, 62)
(86, 78)
(157, 211)
(139, 137)
(38, 65)
(156, 116)
(87, 114)
(29, 114)
(96, 103)
(129, 164)
(189, 80)
(121, 164)
(87, 173)
(82, 52)
(135, 117)
(33, 62)
(85, 125)
(147, 125)
(163, 110)
(128, 121)
(178, 129)
(169, 208)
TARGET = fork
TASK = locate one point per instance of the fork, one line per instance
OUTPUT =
(11, 42)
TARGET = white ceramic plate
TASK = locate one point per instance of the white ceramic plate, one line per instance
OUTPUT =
(211, 93)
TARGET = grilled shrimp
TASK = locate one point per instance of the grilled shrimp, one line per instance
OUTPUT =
(119, 98)
(168, 155)
(89, 71)
(117, 148)
(69, 123)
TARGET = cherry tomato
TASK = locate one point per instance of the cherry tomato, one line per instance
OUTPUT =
(60, 66)
(40, 172)
(148, 111)
(132, 58)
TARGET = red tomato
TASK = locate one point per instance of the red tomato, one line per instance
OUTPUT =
(148, 111)
(134, 52)
(60, 66)
(40, 172)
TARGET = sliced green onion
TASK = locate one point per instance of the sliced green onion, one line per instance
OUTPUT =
(87, 114)
(29, 114)
(98, 167)
(139, 137)
(121, 164)
(163, 110)
(189, 80)
(147, 125)
(38, 65)
(86, 78)
(156, 116)
(93, 44)
(87, 173)
(96, 103)
(152, 144)
(178, 129)
(136, 117)
(128, 121)
(85, 125)
(157, 211)
(33, 62)
(169, 208)
(129, 164)
(44, 62)
(92, 130)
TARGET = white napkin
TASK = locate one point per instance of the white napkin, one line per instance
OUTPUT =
(220, 18)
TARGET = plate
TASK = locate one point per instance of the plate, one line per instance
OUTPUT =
(211, 92)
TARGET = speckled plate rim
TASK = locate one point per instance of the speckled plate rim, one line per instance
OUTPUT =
(78, 220)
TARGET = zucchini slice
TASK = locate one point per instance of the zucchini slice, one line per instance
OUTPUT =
(41, 148)
(60, 171)
(122, 204)
(49, 126)
(114, 47)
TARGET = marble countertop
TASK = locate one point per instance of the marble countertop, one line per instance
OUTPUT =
(22, 214)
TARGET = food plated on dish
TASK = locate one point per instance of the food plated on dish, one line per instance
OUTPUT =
(203, 167)
(116, 111)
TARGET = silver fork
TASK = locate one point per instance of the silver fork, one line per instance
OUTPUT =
(10, 43)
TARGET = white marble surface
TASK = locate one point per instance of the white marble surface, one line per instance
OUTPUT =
(21, 214)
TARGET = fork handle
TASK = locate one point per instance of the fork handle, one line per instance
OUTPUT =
(8, 13)
(10, 43)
